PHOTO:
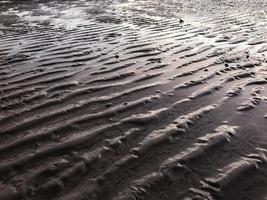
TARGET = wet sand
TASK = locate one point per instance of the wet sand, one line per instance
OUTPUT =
(133, 100)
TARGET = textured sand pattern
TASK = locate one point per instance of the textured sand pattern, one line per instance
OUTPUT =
(133, 100)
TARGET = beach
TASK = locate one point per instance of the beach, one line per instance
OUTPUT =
(133, 100)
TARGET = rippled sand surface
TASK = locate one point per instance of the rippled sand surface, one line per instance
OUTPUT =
(133, 100)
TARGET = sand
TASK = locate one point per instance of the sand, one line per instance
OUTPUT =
(133, 100)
